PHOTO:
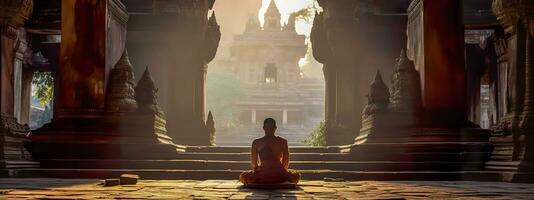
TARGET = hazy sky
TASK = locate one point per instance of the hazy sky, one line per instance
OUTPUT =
(287, 7)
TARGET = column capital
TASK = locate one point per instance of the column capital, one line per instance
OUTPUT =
(507, 12)
(526, 13)
(13, 14)
(118, 11)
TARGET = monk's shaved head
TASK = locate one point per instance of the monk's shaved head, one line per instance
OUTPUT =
(269, 122)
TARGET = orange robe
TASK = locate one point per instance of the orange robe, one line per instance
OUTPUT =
(270, 170)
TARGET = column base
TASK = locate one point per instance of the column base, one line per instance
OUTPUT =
(109, 137)
(389, 136)
(13, 153)
(191, 132)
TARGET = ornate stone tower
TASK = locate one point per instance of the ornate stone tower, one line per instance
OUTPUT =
(266, 61)
(272, 18)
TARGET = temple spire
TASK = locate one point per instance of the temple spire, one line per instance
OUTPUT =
(213, 19)
(253, 24)
(272, 17)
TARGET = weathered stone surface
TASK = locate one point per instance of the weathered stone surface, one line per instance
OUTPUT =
(215, 189)
(120, 92)
(111, 182)
(129, 179)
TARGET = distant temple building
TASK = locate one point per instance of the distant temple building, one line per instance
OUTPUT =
(267, 61)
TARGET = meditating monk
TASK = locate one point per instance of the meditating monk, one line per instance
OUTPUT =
(274, 159)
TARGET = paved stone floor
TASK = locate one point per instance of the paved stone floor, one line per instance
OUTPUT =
(216, 189)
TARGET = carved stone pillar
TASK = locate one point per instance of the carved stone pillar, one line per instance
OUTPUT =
(194, 47)
(436, 45)
(348, 38)
(515, 130)
(13, 14)
(178, 38)
(82, 70)
(93, 42)
(527, 117)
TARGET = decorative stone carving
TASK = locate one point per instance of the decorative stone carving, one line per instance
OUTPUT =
(213, 36)
(272, 17)
(506, 11)
(15, 12)
(9, 126)
(378, 98)
(406, 86)
(121, 92)
(210, 124)
(321, 49)
(12, 150)
(146, 95)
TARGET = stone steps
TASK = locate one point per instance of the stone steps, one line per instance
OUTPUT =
(245, 165)
(419, 156)
(246, 149)
(377, 161)
(234, 174)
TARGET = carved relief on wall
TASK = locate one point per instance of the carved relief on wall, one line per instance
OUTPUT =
(507, 11)
(15, 12)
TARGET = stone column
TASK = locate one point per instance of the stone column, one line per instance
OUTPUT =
(526, 13)
(194, 47)
(253, 119)
(284, 117)
(82, 69)
(514, 134)
(436, 45)
(13, 14)
(348, 38)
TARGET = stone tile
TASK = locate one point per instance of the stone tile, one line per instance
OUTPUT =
(217, 189)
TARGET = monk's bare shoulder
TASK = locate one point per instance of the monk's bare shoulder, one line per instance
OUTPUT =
(281, 140)
(258, 141)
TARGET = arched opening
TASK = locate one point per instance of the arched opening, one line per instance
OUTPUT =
(264, 68)
(270, 73)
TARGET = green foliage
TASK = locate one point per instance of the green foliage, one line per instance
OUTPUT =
(43, 83)
(317, 136)
(305, 14)
(224, 91)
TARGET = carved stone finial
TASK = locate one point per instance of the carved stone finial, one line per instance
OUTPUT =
(272, 17)
(213, 20)
(212, 39)
(211, 3)
(146, 93)
(210, 124)
(378, 98)
(379, 93)
(403, 63)
(121, 93)
(406, 86)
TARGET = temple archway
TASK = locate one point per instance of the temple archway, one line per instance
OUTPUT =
(270, 73)
(273, 72)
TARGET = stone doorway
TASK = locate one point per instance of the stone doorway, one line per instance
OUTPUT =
(266, 70)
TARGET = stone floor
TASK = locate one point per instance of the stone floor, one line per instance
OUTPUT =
(217, 189)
